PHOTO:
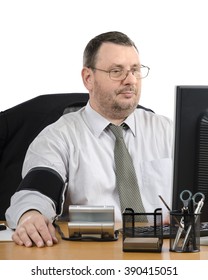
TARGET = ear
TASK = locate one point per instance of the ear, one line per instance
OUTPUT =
(87, 78)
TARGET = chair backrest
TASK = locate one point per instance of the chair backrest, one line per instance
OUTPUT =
(19, 125)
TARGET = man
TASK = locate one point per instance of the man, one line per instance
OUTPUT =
(74, 157)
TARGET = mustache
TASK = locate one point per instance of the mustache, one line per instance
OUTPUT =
(127, 88)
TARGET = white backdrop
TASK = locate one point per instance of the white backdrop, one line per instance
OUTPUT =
(42, 41)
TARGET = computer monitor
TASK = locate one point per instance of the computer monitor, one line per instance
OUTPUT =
(190, 168)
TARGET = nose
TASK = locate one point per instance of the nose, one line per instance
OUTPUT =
(130, 78)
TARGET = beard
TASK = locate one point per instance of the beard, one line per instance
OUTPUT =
(113, 105)
(126, 104)
(123, 108)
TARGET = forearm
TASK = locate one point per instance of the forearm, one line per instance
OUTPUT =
(25, 200)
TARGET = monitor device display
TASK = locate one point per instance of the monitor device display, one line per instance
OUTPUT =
(190, 169)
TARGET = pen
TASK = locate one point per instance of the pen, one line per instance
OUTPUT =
(164, 202)
(169, 210)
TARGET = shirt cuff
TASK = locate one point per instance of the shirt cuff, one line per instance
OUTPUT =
(23, 201)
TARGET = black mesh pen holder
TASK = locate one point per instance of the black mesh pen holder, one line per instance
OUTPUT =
(184, 232)
(142, 232)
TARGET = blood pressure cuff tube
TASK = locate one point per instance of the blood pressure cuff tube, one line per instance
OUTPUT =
(46, 181)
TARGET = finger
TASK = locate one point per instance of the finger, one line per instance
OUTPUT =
(29, 233)
(45, 234)
(16, 239)
(21, 237)
(52, 231)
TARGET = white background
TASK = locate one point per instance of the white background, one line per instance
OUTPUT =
(42, 41)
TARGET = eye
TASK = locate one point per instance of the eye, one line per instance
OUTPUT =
(116, 73)
(116, 70)
(137, 70)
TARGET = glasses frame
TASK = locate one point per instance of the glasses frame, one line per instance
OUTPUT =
(126, 75)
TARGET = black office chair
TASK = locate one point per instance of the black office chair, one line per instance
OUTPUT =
(19, 125)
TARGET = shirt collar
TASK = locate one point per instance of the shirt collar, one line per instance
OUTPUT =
(95, 121)
(98, 123)
(130, 121)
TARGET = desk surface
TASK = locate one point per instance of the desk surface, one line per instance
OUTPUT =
(77, 250)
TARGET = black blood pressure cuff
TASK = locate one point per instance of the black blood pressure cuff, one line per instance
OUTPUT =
(46, 181)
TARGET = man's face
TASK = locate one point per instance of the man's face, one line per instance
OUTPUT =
(114, 99)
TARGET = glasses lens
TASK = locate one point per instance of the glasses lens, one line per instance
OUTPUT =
(120, 74)
(144, 71)
(116, 74)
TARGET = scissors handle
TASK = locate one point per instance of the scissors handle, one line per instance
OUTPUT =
(185, 197)
(197, 197)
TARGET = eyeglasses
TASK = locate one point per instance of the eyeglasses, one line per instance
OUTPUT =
(119, 74)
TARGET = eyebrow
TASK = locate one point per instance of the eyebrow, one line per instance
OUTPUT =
(121, 66)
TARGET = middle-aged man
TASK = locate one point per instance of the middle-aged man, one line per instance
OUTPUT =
(74, 157)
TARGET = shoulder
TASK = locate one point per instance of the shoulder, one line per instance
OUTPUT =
(147, 115)
(150, 122)
(67, 120)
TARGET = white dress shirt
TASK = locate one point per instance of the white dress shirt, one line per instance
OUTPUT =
(80, 147)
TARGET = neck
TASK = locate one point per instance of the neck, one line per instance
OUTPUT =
(113, 116)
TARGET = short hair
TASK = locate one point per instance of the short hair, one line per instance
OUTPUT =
(92, 48)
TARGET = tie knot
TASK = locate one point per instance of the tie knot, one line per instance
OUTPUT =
(117, 130)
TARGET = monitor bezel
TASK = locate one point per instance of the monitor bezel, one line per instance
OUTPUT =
(190, 103)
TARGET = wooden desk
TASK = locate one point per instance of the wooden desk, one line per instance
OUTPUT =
(76, 250)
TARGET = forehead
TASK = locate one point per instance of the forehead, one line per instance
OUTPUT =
(113, 54)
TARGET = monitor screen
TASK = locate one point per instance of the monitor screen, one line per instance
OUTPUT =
(190, 168)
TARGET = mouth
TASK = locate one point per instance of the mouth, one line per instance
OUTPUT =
(127, 93)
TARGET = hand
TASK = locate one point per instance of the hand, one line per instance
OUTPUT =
(33, 227)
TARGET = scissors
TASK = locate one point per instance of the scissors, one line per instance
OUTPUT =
(197, 202)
